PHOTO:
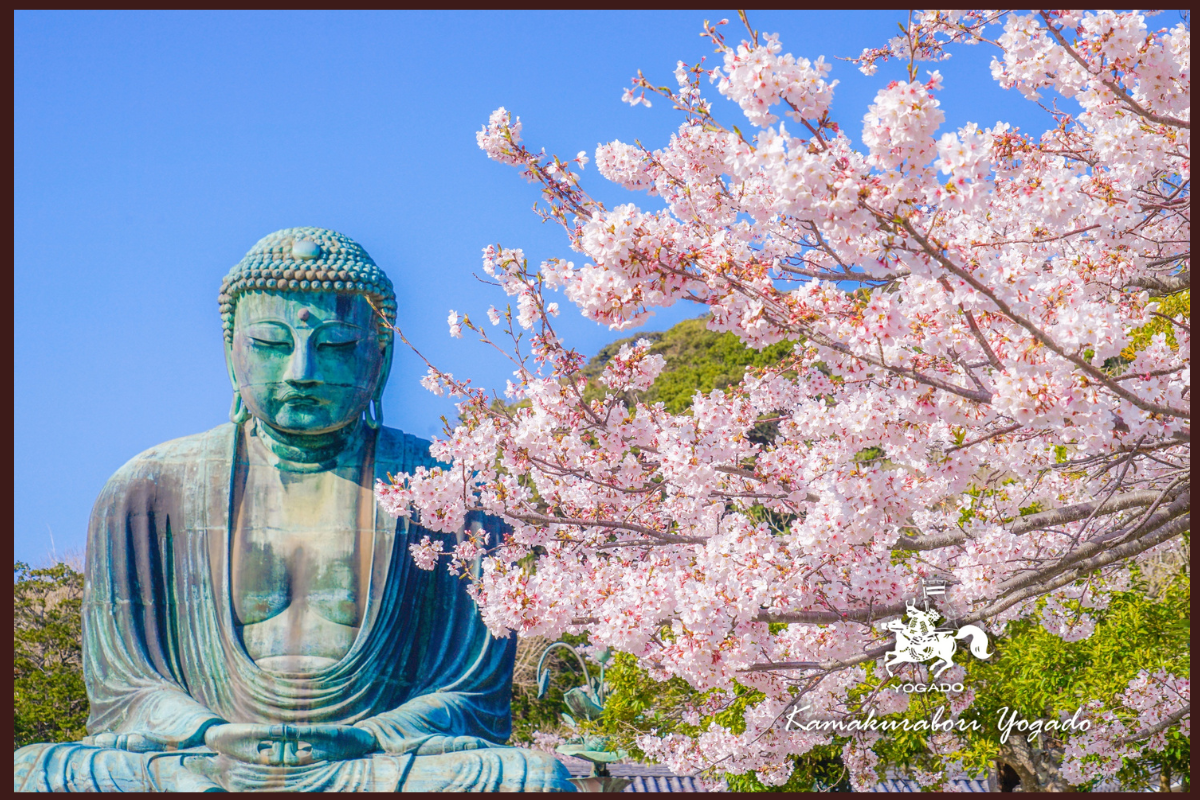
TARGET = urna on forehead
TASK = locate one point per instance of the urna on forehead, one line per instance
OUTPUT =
(308, 260)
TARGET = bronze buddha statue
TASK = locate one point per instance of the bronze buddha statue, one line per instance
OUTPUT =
(252, 618)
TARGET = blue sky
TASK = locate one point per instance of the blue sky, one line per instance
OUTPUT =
(152, 150)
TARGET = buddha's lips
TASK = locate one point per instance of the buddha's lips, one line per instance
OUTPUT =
(297, 399)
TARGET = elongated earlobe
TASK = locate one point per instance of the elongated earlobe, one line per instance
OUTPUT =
(238, 414)
(373, 416)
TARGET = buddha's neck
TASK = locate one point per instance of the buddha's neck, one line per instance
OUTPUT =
(317, 450)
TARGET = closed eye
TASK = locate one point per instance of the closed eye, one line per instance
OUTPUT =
(338, 345)
(269, 342)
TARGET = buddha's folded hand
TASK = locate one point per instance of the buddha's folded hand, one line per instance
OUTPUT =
(135, 742)
(436, 745)
(146, 742)
(289, 745)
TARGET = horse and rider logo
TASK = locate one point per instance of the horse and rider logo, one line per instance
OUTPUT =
(919, 641)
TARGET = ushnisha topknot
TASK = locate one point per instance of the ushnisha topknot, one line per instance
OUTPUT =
(308, 260)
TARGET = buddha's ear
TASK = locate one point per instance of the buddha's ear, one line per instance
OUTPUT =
(238, 413)
(229, 364)
(385, 369)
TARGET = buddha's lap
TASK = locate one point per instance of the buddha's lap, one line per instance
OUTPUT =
(77, 767)
(491, 769)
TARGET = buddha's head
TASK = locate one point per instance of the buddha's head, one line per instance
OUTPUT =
(306, 349)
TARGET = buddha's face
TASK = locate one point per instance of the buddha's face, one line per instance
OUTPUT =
(305, 362)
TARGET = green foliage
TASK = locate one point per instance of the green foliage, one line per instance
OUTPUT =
(637, 704)
(49, 698)
(1135, 634)
(531, 713)
(1039, 675)
(818, 770)
(869, 454)
(1171, 306)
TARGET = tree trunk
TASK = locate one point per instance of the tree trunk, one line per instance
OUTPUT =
(1037, 769)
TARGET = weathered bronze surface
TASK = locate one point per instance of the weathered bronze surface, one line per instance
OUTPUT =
(252, 619)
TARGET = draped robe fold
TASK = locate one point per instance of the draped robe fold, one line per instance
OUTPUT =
(162, 657)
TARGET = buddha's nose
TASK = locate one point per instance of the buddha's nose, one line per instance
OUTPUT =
(303, 367)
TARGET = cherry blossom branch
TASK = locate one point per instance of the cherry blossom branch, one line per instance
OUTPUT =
(1074, 513)
(830, 665)
(586, 523)
(1045, 519)
(1039, 334)
(1002, 432)
(1168, 721)
(1112, 86)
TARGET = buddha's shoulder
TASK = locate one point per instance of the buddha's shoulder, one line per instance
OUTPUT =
(179, 454)
(398, 451)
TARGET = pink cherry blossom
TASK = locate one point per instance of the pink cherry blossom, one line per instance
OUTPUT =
(426, 553)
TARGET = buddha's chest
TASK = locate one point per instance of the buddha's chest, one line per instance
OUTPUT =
(299, 560)
(276, 570)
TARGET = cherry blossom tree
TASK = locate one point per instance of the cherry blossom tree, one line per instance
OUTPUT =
(988, 378)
